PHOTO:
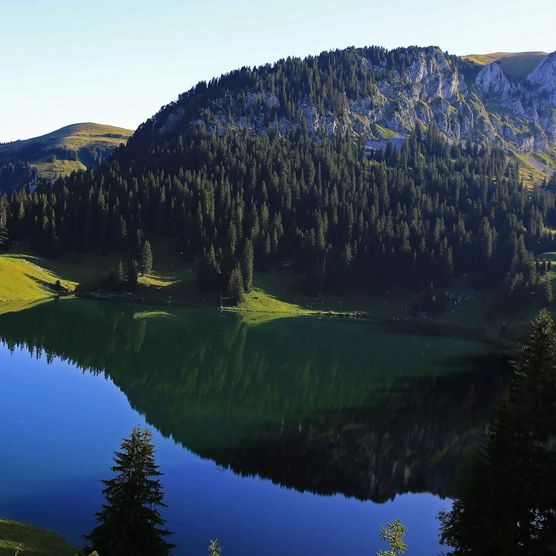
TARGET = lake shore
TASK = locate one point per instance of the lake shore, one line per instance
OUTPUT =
(32, 540)
(27, 279)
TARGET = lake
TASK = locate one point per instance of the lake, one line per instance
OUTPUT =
(295, 436)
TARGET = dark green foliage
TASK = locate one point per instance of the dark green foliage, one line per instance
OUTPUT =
(119, 276)
(129, 522)
(247, 265)
(15, 174)
(507, 502)
(132, 276)
(146, 258)
(208, 271)
(234, 289)
(116, 278)
(4, 237)
(344, 218)
(545, 292)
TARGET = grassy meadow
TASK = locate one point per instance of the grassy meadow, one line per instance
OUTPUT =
(27, 280)
(31, 541)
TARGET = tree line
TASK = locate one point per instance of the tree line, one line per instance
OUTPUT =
(339, 215)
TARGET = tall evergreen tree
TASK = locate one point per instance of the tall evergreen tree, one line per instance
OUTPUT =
(208, 271)
(116, 279)
(119, 276)
(547, 295)
(247, 264)
(146, 258)
(130, 521)
(132, 276)
(4, 236)
(234, 289)
(506, 505)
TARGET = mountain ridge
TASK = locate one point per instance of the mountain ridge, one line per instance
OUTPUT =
(376, 95)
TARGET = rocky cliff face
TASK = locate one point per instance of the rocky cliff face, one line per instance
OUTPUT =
(463, 99)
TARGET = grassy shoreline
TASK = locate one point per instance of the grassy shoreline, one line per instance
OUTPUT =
(31, 540)
(26, 280)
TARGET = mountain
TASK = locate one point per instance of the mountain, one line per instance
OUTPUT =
(358, 169)
(74, 147)
(506, 100)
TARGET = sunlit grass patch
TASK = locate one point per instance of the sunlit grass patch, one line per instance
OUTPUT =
(31, 541)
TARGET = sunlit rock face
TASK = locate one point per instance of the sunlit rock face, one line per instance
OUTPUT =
(463, 99)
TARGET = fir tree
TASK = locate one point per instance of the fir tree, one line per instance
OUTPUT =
(4, 235)
(146, 258)
(547, 295)
(507, 500)
(119, 276)
(208, 271)
(116, 278)
(121, 234)
(234, 289)
(247, 263)
(132, 276)
(130, 522)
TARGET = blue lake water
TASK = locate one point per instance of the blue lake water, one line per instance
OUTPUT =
(292, 437)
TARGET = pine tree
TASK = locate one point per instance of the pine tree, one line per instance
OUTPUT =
(547, 295)
(208, 273)
(121, 234)
(132, 276)
(4, 236)
(247, 262)
(117, 278)
(507, 500)
(146, 258)
(234, 290)
(130, 522)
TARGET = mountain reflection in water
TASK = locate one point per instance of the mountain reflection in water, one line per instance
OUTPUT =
(326, 406)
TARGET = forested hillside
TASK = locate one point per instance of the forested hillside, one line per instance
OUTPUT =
(233, 172)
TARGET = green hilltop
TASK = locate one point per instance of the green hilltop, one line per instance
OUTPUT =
(74, 147)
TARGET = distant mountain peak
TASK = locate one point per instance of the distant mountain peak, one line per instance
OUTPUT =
(516, 65)
(58, 153)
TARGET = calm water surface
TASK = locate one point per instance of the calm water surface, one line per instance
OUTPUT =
(288, 437)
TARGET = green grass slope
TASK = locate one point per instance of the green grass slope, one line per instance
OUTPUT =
(24, 282)
(74, 147)
(27, 280)
(31, 541)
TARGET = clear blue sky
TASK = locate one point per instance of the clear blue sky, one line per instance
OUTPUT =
(118, 61)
